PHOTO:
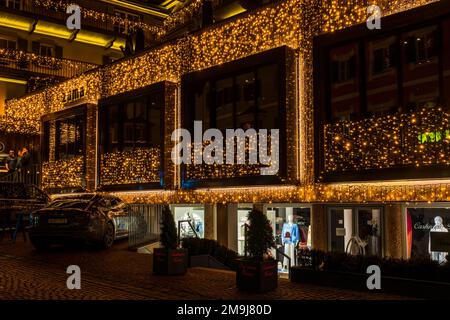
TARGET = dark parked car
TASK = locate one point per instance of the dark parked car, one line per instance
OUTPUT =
(89, 218)
(17, 201)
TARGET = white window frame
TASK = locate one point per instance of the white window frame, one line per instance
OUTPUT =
(12, 4)
(128, 15)
(2, 37)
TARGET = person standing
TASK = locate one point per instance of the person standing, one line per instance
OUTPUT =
(11, 162)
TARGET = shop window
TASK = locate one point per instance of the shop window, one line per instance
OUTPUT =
(240, 100)
(421, 46)
(343, 70)
(355, 230)
(267, 89)
(132, 124)
(243, 94)
(12, 4)
(121, 27)
(242, 216)
(292, 231)
(421, 69)
(190, 220)
(384, 59)
(422, 224)
(6, 43)
(131, 139)
(381, 81)
(69, 138)
(344, 82)
(46, 50)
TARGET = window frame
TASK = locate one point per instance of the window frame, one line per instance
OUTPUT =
(102, 132)
(235, 68)
(398, 24)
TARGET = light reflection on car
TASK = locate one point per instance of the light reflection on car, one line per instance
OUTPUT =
(95, 219)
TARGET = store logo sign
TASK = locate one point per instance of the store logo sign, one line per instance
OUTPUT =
(434, 136)
(241, 147)
(74, 95)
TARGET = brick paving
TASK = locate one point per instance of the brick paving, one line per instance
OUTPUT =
(121, 274)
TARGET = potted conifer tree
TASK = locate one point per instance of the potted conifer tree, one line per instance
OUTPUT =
(169, 260)
(258, 271)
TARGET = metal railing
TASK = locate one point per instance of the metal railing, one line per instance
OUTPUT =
(58, 13)
(32, 63)
(27, 175)
(144, 224)
(277, 250)
(189, 222)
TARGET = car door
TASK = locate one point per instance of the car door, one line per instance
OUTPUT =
(121, 218)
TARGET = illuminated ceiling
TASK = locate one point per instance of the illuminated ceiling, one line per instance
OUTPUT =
(158, 8)
(51, 29)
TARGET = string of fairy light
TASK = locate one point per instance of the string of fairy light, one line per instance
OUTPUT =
(61, 6)
(411, 139)
(292, 23)
(140, 165)
(22, 60)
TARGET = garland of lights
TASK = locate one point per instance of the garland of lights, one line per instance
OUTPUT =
(411, 139)
(10, 124)
(181, 16)
(130, 167)
(355, 193)
(22, 60)
(292, 23)
(61, 6)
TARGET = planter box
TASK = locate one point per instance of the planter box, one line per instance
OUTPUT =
(357, 281)
(256, 276)
(170, 262)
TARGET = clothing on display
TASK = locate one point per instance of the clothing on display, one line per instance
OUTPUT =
(196, 222)
(438, 227)
(290, 233)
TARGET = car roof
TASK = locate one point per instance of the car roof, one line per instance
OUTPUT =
(84, 196)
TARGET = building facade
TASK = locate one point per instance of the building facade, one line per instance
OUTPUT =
(361, 116)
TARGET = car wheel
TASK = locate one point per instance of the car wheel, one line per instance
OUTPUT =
(40, 245)
(108, 237)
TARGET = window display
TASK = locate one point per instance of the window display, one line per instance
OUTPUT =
(242, 216)
(292, 231)
(196, 217)
(355, 230)
(420, 223)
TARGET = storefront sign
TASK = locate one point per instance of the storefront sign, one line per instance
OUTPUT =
(440, 241)
(74, 95)
(426, 226)
(434, 136)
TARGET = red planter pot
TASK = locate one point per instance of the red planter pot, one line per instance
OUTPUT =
(256, 276)
(170, 261)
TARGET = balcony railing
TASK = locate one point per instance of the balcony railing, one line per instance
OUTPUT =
(101, 24)
(35, 64)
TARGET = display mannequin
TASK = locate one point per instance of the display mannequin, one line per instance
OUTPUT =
(438, 227)
(289, 238)
(196, 222)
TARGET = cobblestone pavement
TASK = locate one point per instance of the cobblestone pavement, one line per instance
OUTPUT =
(121, 274)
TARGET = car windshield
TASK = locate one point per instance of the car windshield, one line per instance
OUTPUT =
(70, 203)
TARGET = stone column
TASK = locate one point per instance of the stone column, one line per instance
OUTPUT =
(210, 223)
(393, 231)
(91, 140)
(319, 227)
(222, 224)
